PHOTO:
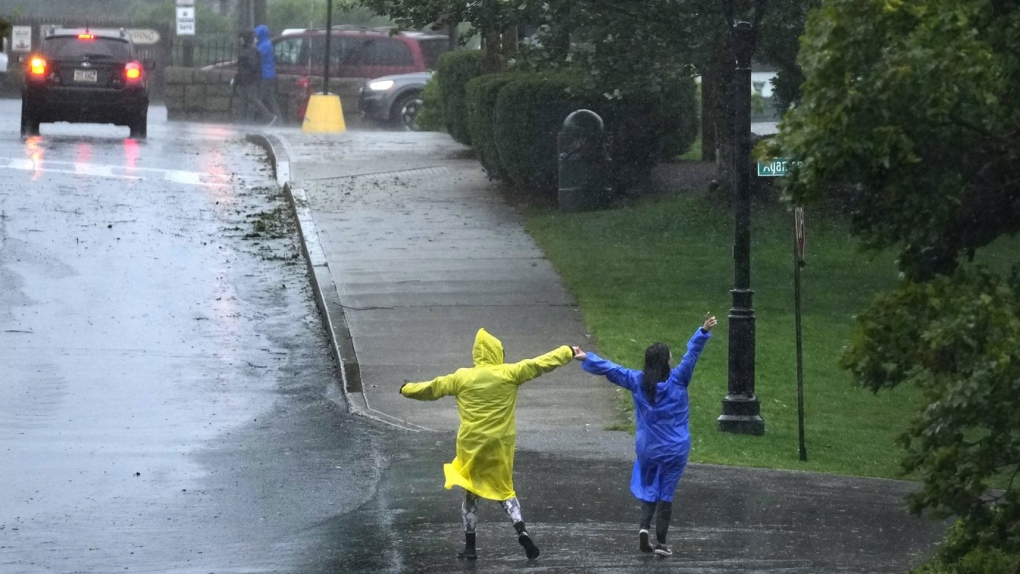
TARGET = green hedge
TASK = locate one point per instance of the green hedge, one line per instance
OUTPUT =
(432, 117)
(454, 70)
(529, 111)
(481, 99)
(527, 117)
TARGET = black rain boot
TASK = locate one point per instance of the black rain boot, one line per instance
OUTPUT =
(530, 549)
(647, 512)
(469, 547)
(665, 513)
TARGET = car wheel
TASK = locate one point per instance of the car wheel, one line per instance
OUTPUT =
(29, 124)
(406, 109)
(140, 127)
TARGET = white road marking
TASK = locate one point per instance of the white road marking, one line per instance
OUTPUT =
(115, 171)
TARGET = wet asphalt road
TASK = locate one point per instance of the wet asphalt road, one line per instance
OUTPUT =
(164, 377)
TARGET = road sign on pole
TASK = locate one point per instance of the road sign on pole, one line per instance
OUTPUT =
(799, 231)
(21, 38)
(186, 20)
(778, 167)
(798, 262)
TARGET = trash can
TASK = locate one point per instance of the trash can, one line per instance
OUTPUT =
(585, 165)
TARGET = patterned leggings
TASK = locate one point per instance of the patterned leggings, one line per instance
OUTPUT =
(469, 510)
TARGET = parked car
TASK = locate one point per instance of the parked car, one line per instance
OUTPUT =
(85, 76)
(394, 99)
(356, 54)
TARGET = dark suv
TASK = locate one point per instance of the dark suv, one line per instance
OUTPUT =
(85, 76)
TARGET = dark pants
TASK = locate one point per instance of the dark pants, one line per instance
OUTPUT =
(267, 95)
(252, 107)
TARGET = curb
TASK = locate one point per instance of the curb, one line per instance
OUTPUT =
(327, 296)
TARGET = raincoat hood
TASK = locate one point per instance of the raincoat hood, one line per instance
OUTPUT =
(262, 32)
(488, 350)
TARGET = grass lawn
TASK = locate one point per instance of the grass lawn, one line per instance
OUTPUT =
(649, 272)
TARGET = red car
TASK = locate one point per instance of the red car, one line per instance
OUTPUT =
(356, 55)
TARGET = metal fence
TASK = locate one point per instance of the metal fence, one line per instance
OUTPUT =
(200, 51)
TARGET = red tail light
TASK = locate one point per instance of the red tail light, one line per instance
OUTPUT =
(37, 66)
(132, 71)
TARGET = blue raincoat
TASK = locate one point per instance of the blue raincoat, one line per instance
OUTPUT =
(486, 402)
(663, 438)
(265, 45)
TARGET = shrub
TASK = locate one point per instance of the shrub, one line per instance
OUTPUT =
(527, 117)
(432, 117)
(454, 70)
(529, 112)
(481, 100)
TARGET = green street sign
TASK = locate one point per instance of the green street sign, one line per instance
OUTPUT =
(775, 168)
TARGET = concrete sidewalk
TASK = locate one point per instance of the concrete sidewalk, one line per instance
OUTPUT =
(412, 249)
(416, 253)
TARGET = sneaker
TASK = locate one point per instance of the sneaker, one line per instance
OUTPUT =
(663, 550)
(529, 547)
(467, 554)
(643, 541)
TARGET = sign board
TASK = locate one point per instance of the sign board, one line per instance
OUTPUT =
(185, 2)
(21, 38)
(775, 168)
(800, 234)
(185, 20)
(143, 36)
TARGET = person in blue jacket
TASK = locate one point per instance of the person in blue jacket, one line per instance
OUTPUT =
(663, 440)
(267, 83)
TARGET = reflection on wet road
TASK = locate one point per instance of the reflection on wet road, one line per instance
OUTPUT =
(163, 372)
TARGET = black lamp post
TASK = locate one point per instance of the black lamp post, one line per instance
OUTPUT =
(741, 410)
(329, 35)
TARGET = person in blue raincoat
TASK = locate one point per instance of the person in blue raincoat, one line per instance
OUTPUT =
(267, 82)
(662, 440)
(487, 436)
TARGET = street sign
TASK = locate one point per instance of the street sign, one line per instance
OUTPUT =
(143, 36)
(775, 168)
(21, 38)
(185, 20)
(799, 232)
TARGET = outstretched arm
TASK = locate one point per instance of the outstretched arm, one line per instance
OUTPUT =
(685, 369)
(528, 369)
(596, 365)
(430, 390)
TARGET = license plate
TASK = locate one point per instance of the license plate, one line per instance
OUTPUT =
(86, 76)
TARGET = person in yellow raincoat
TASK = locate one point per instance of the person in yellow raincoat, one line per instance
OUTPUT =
(486, 402)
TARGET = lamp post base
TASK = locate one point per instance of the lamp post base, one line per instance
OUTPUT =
(741, 415)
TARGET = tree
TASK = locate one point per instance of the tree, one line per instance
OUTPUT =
(283, 14)
(913, 106)
(495, 20)
(206, 21)
(635, 45)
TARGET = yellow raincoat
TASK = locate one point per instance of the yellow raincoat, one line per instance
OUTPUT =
(486, 401)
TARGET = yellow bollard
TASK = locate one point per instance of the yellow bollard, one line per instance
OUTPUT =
(324, 114)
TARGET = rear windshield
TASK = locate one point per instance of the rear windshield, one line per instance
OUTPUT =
(432, 48)
(72, 47)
